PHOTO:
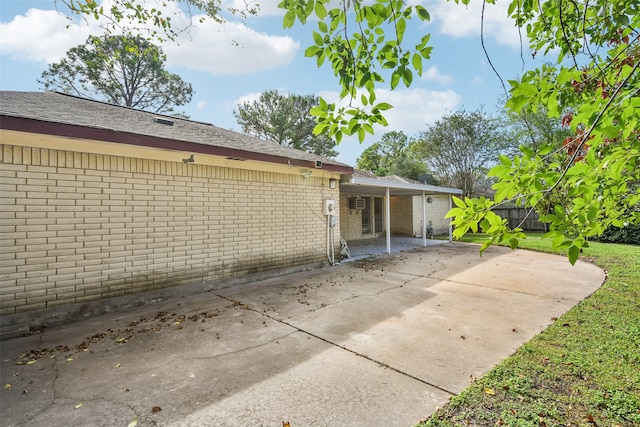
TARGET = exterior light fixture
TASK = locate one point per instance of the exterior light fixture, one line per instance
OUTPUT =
(333, 183)
(429, 200)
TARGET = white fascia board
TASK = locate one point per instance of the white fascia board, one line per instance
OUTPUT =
(431, 189)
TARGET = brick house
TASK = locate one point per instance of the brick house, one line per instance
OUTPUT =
(105, 207)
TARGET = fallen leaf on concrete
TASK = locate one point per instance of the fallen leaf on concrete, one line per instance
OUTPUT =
(156, 409)
(133, 423)
(79, 405)
(7, 386)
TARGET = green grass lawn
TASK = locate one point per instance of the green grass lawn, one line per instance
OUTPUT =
(584, 370)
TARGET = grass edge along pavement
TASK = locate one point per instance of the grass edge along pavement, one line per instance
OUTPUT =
(583, 370)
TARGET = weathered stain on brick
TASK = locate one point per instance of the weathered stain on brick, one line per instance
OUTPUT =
(79, 227)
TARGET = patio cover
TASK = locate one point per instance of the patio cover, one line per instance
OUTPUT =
(365, 183)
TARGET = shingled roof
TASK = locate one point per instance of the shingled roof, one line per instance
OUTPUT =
(59, 114)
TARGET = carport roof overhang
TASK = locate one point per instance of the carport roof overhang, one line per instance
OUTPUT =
(388, 187)
(373, 186)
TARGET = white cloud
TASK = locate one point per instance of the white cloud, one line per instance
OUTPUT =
(248, 98)
(458, 20)
(433, 74)
(230, 48)
(41, 35)
(413, 109)
(265, 7)
(201, 105)
(477, 80)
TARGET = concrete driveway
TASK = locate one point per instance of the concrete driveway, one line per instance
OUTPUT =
(367, 343)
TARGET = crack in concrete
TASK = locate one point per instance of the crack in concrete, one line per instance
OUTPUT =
(253, 347)
(475, 285)
(406, 282)
(54, 367)
(334, 344)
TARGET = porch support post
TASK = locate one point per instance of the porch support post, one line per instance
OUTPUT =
(424, 219)
(388, 220)
(450, 226)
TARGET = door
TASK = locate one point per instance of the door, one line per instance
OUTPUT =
(366, 216)
(378, 209)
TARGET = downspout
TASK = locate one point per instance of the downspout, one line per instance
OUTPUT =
(331, 223)
(424, 219)
(330, 243)
(388, 220)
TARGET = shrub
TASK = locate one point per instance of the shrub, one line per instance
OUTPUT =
(629, 234)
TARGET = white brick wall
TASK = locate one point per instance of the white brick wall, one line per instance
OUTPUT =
(78, 227)
(436, 210)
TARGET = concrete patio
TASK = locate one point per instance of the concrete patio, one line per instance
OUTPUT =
(373, 342)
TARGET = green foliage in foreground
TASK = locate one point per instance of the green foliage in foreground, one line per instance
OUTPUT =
(581, 371)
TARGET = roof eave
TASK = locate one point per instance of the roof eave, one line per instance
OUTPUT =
(431, 189)
(23, 124)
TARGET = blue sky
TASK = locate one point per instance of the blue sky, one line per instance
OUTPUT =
(267, 57)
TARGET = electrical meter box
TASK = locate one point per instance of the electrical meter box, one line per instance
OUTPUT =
(330, 207)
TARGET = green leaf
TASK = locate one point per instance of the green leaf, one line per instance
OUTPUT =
(407, 77)
(621, 19)
(416, 60)
(395, 79)
(312, 51)
(318, 39)
(459, 202)
(289, 18)
(320, 10)
(513, 243)
(423, 13)
(485, 245)
(318, 111)
(505, 160)
(401, 26)
(573, 253)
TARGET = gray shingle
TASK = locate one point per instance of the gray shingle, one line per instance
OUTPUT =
(66, 109)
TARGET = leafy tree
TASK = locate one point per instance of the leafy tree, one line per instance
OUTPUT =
(152, 19)
(393, 155)
(120, 70)
(460, 148)
(591, 85)
(532, 129)
(284, 119)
